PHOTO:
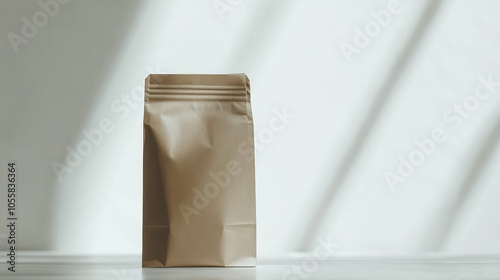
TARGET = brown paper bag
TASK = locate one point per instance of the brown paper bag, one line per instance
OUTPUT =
(199, 178)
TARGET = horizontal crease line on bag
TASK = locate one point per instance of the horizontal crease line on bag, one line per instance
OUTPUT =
(196, 87)
(240, 92)
(208, 97)
(240, 225)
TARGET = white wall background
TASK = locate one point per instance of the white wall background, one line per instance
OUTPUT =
(323, 175)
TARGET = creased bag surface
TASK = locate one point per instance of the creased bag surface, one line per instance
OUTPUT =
(198, 171)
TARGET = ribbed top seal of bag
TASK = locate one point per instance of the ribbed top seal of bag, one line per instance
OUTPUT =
(219, 87)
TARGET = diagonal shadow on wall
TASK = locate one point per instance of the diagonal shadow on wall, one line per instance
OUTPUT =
(441, 227)
(51, 86)
(362, 135)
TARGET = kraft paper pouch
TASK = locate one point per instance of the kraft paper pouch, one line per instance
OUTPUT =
(199, 177)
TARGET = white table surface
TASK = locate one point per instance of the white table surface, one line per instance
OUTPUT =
(129, 267)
